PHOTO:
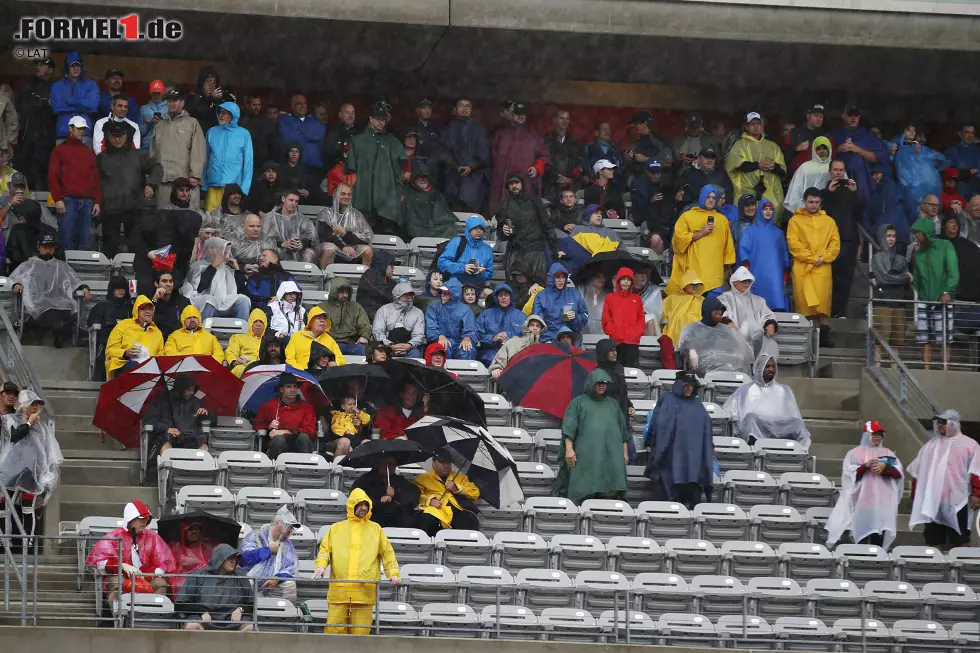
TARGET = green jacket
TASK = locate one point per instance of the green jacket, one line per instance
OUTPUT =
(426, 212)
(377, 159)
(935, 269)
(348, 320)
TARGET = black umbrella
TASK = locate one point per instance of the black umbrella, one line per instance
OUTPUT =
(610, 262)
(447, 394)
(218, 529)
(404, 452)
(334, 380)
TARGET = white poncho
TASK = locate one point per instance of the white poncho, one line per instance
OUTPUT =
(30, 464)
(942, 475)
(767, 410)
(750, 313)
(223, 292)
(47, 285)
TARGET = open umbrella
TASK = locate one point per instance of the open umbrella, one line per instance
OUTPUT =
(259, 386)
(404, 452)
(217, 529)
(610, 262)
(447, 394)
(476, 453)
(125, 398)
(546, 376)
(334, 380)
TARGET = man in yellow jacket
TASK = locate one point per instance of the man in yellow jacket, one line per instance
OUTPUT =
(814, 243)
(243, 348)
(448, 500)
(298, 349)
(192, 338)
(703, 243)
(351, 549)
(756, 165)
(132, 341)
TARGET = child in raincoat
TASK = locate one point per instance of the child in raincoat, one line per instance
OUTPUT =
(680, 309)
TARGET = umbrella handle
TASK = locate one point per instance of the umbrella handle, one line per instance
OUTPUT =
(447, 488)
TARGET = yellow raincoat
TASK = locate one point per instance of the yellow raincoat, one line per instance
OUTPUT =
(433, 488)
(298, 349)
(246, 344)
(809, 236)
(746, 149)
(201, 342)
(352, 549)
(127, 333)
(681, 309)
(707, 256)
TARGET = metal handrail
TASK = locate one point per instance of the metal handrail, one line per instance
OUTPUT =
(16, 367)
(899, 382)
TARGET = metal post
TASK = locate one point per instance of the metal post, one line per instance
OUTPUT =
(945, 344)
(864, 632)
(23, 585)
(119, 577)
(497, 625)
(745, 619)
(616, 616)
(37, 563)
(255, 605)
(377, 609)
(628, 602)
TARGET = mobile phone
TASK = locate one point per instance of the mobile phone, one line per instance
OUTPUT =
(472, 261)
(711, 219)
(157, 114)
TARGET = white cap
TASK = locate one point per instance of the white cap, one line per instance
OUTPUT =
(602, 163)
(753, 115)
(78, 121)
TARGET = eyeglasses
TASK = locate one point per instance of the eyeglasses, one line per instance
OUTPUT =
(942, 422)
(935, 204)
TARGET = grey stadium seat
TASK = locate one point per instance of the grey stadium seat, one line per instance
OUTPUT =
(533, 420)
(479, 586)
(179, 467)
(719, 595)
(686, 630)
(506, 519)
(920, 636)
(497, 408)
(635, 555)
(693, 557)
(544, 588)
(657, 593)
(575, 553)
(816, 524)
(318, 508)
(807, 490)
(779, 455)
(664, 520)
(607, 518)
(569, 625)
(803, 634)
(806, 561)
(749, 559)
(721, 522)
(863, 562)
(145, 610)
(547, 443)
(738, 632)
(411, 545)
(299, 471)
(517, 441)
(537, 479)
(214, 499)
(452, 620)
(891, 600)
(276, 615)
(238, 469)
(427, 583)
(459, 548)
(551, 516)
(641, 629)
(519, 550)
(777, 524)
(603, 590)
(749, 488)
(921, 564)
(965, 561)
(850, 633)
(398, 618)
(776, 597)
(639, 488)
(510, 622)
(722, 384)
(833, 599)
(949, 603)
(257, 506)
(733, 453)
(637, 383)
(965, 634)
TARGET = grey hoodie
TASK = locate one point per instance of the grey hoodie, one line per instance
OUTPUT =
(217, 593)
(396, 314)
(513, 345)
(889, 269)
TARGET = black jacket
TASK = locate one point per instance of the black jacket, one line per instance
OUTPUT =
(968, 259)
(566, 159)
(23, 236)
(692, 181)
(167, 313)
(263, 196)
(170, 410)
(265, 138)
(203, 107)
(338, 135)
(374, 290)
(37, 120)
(124, 172)
(845, 207)
(159, 227)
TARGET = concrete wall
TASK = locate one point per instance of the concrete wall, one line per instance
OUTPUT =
(953, 389)
(905, 436)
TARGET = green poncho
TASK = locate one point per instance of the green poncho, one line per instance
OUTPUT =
(377, 159)
(426, 212)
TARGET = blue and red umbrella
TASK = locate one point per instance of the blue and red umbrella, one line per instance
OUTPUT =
(546, 377)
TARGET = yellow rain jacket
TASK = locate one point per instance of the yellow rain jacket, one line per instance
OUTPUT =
(748, 149)
(352, 549)
(201, 342)
(298, 349)
(126, 334)
(809, 236)
(681, 309)
(433, 488)
(245, 344)
(707, 256)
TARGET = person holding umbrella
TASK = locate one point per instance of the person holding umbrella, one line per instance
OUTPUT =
(448, 500)
(176, 416)
(394, 497)
(191, 552)
(289, 420)
(531, 332)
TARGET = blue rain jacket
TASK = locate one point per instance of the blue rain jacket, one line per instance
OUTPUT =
(495, 320)
(550, 304)
(229, 153)
(763, 247)
(454, 319)
(475, 249)
(78, 98)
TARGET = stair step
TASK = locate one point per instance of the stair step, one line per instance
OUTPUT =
(90, 439)
(101, 472)
(80, 501)
(820, 415)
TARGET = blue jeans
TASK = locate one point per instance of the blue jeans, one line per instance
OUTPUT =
(411, 353)
(715, 292)
(351, 350)
(75, 226)
(456, 352)
(240, 309)
(486, 354)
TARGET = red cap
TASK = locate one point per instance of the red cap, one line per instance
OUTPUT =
(156, 86)
(873, 426)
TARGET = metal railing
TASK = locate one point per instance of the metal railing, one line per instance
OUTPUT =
(15, 365)
(928, 335)
(898, 381)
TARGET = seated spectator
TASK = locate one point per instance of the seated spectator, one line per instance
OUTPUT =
(270, 352)
(471, 298)
(763, 250)
(209, 229)
(814, 173)
(431, 293)
(525, 288)
(681, 309)
(592, 235)
(268, 554)
(451, 323)
(765, 409)
(263, 283)
(531, 333)
(653, 206)
(426, 211)
(320, 359)
(467, 257)
(133, 341)
(435, 356)
(47, 288)
(216, 285)
(714, 343)
(566, 337)
(343, 231)
(567, 214)
(377, 284)
(217, 595)
(602, 191)
(595, 292)
(288, 312)
(560, 305)
(412, 406)
(30, 456)
(749, 312)
(892, 280)
(191, 552)
(231, 214)
(349, 323)
(154, 233)
(678, 435)
(394, 497)
(346, 425)
(595, 427)
(176, 416)
(935, 274)
(448, 498)
(623, 319)
(748, 208)
(24, 218)
(266, 192)
(952, 201)
(167, 304)
(117, 307)
(243, 348)
(293, 233)
(400, 325)
(193, 339)
(653, 301)
(377, 352)
(298, 349)
(497, 324)
(248, 243)
(294, 173)
(142, 555)
(288, 419)
(703, 243)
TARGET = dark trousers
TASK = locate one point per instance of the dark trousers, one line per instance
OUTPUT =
(628, 355)
(301, 443)
(875, 539)
(463, 520)
(843, 271)
(32, 156)
(944, 537)
(59, 322)
(111, 223)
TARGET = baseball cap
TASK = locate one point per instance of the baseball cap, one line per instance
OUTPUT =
(410, 130)
(47, 61)
(654, 165)
(173, 94)
(694, 119)
(442, 456)
(444, 289)
(17, 179)
(156, 86)
(45, 239)
(816, 108)
(78, 121)
(852, 110)
(641, 116)
(9, 387)
(380, 110)
(708, 152)
(182, 182)
(752, 115)
(270, 165)
(602, 163)
(519, 108)
(873, 426)
(425, 102)
(115, 128)
(113, 72)
(506, 105)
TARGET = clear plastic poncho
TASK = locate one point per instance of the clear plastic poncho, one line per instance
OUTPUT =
(869, 505)
(767, 410)
(47, 285)
(223, 292)
(350, 220)
(281, 228)
(30, 464)
(942, 476)
(714, 348)
(750, 313)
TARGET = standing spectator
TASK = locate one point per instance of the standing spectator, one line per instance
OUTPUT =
(288, 313)
(703, 243)
(969, 217)
(349, 324)
(229, 156)
(429, 134)
(653, 206)
(602, 147)
(623, 319)
(152, 113)
(300, 343)
(302, 128)
(595, 427)
(498, 323)
(133, 341)
(815, 172)
(467, 152)
(181, 148)
(289, 419)
(916, 166)
(265, 277)
(942, 498)
(532, 330)
(891, 280)
(400, 325)
(425, 210)
(74, 95)
(745, 213)
(935, 274)
(338, 137)
(269, 556)
(21, 243)
(117, 114)
(801, 142)
(192, 339)
(129, 178)
(689, 145)
(813, 242)
(265, 143)
(219, 594)
(267, 191)
(377, 157)
(215, 284)
(448, 498)
(859, 148)
(159, 229)
(607, 359)
(467, 257)
(343, 230)
(890, 203)
(168, 305)
(968, 266)
(73, 178)
(113, 82)
(515, 147)
(523, 224)
(952, 201)
(647, 145)
(682, 308)
(705, 172)
(965, 157)
(565, 168)
(756, 164)
(294, 233)
(451, 323)
(8, 125)
(763, 250)
(203, 105)
(560, 305)
(176, 415)
(243, 348)
(377, 283)
(652, 298)
(37, 124)
(294, 173)
(842, 202)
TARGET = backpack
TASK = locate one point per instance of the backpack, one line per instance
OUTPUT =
(442, 248)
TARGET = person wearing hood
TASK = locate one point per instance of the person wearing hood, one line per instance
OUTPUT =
(814, 173)
(891, 282)
(515, 147)
(164, 239)
(813, 242)
(73, 178)
(872, 486)
(935, 276)
(74, 95)
(215, 285)
(203, 105)
(889, 203)
(451, 323)
(749, 312)
(343, 230)
(560, 305)
(181, 148)
(703, 243)
(192, 551)
(943, 494)
(270, 352)
(847, 207)
(499, 323)
(30, 457)
(470, 298)
(467, 257)
(288, 312)
(565, 337)
(232, 212)
(377, 283)
(349, 323)
(305, 130)
(763, 250)
(532, 331)
(448, 497)
(218, 595)
(294, 173)
(117, 307)
(192, 339)
(151, 113)
(129, 177)
(623, 318)
(133, 341)
(288, 419)
(400, 325)
(859, 148)
(116, 115)
(593, 235)
(745, 215)
(951, 199)
(229, 158)
(243, 348)
(714, 343)
(607, 359)
(294, 234)
(351, 550)
(524, 225)
(37, 123)
(176, 415)
(594, 292)
(916, 166)
(269, 557)
(756, 164)
(765, 409)
(394, 497)
(678, 435)
(594, 427)
(466, 149)
(377, 157)
(425, 209)
(298, 349)
(680, 309)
